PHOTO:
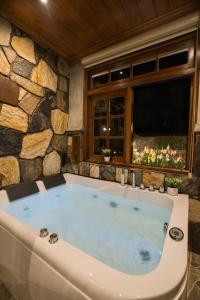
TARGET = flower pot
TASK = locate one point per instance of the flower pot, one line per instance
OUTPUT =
(172, 191)
(107, 158)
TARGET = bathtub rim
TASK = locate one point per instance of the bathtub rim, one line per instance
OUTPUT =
(87, 277)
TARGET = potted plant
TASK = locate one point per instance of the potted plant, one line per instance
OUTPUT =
(106, 154)
(172, 184)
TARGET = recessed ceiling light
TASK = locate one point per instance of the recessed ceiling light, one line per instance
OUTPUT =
(44, 1)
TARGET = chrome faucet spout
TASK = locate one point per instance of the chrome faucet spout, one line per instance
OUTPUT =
(133, 180)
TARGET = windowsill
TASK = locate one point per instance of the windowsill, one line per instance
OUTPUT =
(142, 167)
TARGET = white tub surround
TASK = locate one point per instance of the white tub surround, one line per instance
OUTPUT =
(61, 271)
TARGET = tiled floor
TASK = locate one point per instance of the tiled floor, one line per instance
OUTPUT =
(193, 284)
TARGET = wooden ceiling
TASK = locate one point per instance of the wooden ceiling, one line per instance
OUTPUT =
(76, 28)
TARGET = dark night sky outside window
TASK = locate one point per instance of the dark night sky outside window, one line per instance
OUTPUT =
(162, 109)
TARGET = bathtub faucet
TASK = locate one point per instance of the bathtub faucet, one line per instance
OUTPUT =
(133, 179)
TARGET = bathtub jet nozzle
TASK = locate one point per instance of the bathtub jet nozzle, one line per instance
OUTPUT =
(43, 232)
(165, 227)
(53, 238)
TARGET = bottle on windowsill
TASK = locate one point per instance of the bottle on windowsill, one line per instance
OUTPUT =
(122, 177)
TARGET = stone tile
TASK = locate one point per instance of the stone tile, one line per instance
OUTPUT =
(107, 173)
(9, 167)
(63, 84)
(195, 263)
(59, 143)
(24, 47)
(10, 54)
(4, 293)
(138, 177)
(13, 117)
(71, 168)
(194, 208)
(36, 144)
(59, 121)
(69, 140)
(29, 103)
(63, 67)
(191, 187)
(94, 171)
(4, 64)
(194, 234)
(193, 273)
(43, 75)
(31, 169)
(62, 101)
(40, 119)
(5, 32)
(22, 67)
(51, 164)
(85, 169)
(9, 92)
(193, 276)
(22, 93)
(195, 292)
(27, 84)
(156, 179)
(11, 141)
(118, 174)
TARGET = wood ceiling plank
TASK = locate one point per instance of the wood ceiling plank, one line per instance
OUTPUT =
(92, 20)
(161, 6)
(100, 10)
(176, 4)
(75, 28)
(133, 12)
(66, 15)
(49, 30)
(115, 8)
(147, 9)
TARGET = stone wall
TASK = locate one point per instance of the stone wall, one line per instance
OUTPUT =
(33, 108)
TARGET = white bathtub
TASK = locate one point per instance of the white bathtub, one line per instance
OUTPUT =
(32, 268)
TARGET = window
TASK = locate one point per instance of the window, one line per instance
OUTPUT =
(120, 74)
(144, 67)
(172, 60)
(108, 124)
(142, 109)
(100, 79)
(160, 124)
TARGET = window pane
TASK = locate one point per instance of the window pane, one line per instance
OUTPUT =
(117, 147)
(117, 106)
(173, 60)
(100, 79)
(120, 74)
(117, 127)
(100, 127)
(145, 67)
(160, 122)
(98, 146)
(100, 108)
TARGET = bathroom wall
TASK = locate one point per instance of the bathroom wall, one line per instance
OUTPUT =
(76, 97)
(34, 104)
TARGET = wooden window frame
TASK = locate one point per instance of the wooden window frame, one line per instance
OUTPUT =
(107, 96)
(127, 85)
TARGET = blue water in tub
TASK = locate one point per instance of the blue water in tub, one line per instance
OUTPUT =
(123, 233)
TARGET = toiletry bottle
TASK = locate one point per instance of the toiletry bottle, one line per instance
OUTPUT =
(122, 177)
